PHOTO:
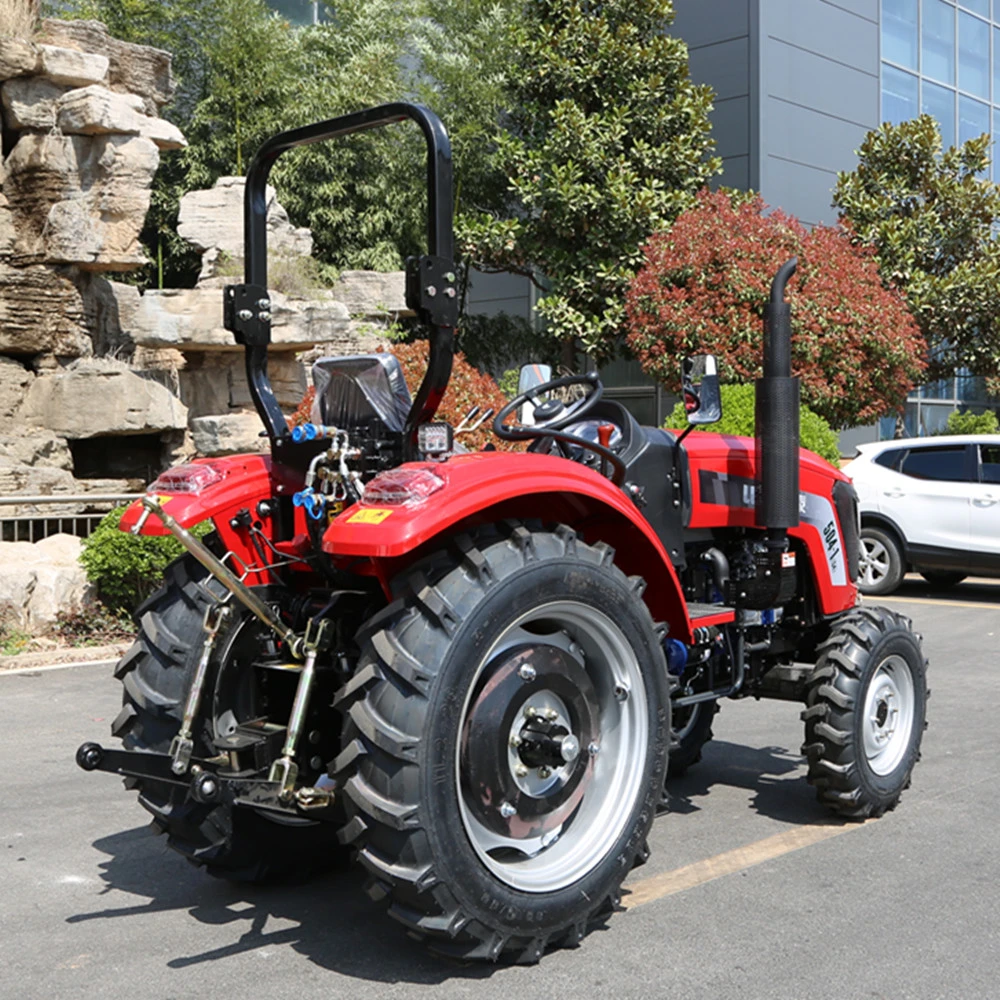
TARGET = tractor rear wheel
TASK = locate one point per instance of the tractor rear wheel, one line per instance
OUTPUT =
(865, 712)
(156, 672)
(510, 721)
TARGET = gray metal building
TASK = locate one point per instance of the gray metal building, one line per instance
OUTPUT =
(799, 82)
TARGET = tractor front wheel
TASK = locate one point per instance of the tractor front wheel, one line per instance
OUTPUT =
(865, 712)
(510, 722)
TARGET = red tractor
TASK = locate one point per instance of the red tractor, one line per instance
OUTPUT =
(472, 669)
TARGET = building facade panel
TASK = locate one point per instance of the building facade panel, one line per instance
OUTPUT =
(727, 63)
(705, 23)
(817, 81)
(813, 138)
(800, 189)
(731, 127)
(819, 27)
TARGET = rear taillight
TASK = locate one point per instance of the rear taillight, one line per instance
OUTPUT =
(402, 487)
(189, 478)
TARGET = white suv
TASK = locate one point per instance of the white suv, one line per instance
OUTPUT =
(930, 504)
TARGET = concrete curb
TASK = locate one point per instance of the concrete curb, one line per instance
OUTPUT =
(56, 666)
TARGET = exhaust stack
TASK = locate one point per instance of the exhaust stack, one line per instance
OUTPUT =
(777, 417)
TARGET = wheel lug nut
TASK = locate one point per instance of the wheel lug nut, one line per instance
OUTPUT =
(507, 810)
(515, 741)
(527, 672)
(544, 772)
(521, 771)
(551, 714)
(529, 711)
(569, 748)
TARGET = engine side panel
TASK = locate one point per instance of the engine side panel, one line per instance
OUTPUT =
(723, 484)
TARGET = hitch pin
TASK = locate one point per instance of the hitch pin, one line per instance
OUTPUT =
(284, 771)
(182, 745)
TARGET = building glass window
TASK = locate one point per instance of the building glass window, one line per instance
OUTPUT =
(996, 62)
(979, 6)
(899, 32)
(937, 41)
(973, 55)
(973, 118)
(899, 95)
(939, 102)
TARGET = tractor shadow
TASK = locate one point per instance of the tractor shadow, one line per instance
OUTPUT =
(775, 776)
(329, 919)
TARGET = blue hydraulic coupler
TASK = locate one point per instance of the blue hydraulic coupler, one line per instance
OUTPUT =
(677, 656)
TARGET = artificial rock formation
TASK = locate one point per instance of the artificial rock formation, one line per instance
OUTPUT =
(82, 138)
(40, 581)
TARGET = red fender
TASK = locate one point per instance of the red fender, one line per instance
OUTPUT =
(214, 489)
(485, 487)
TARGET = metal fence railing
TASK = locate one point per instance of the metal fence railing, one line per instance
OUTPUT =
(32, 518)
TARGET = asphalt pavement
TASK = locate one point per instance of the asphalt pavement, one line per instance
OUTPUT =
(750, 891)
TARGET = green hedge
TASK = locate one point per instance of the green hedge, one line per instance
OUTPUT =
(127, 568)
(738, 419)
(966, 422)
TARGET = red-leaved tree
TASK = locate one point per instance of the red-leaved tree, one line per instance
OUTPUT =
(855, 346)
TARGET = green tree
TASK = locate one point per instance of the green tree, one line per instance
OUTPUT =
(606, 139)
(929, 216)
(738, 403)
(245, 73)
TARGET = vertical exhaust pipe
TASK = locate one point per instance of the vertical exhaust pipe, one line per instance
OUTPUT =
(777, 418)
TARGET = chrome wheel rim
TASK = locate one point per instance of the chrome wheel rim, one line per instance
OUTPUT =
(552, 746)
(888, 715)
(875, 562)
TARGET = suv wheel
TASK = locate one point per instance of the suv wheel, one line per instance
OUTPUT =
(881, 562)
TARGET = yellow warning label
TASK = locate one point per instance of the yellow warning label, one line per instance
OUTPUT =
(369, 515)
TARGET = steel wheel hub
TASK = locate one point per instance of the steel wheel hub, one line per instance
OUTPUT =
(888, 715)
(551, 748)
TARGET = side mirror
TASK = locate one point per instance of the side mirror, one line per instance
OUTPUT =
(700, 382)
(530, 376)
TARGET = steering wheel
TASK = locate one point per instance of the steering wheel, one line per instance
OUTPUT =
(553, 414)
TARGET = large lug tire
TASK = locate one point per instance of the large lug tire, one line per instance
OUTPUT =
(942, 580)
(156, 673)
(865, 712)
(882, 567)
(691, 729)
(510, 723)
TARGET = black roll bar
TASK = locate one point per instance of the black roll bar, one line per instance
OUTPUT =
(430, 285)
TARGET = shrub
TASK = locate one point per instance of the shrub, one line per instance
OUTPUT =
(738, 419)
(705, 284)
(966, 422)
(127, 568)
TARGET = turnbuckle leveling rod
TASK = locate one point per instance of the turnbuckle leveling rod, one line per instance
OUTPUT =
(182, 745)
(225, 576)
